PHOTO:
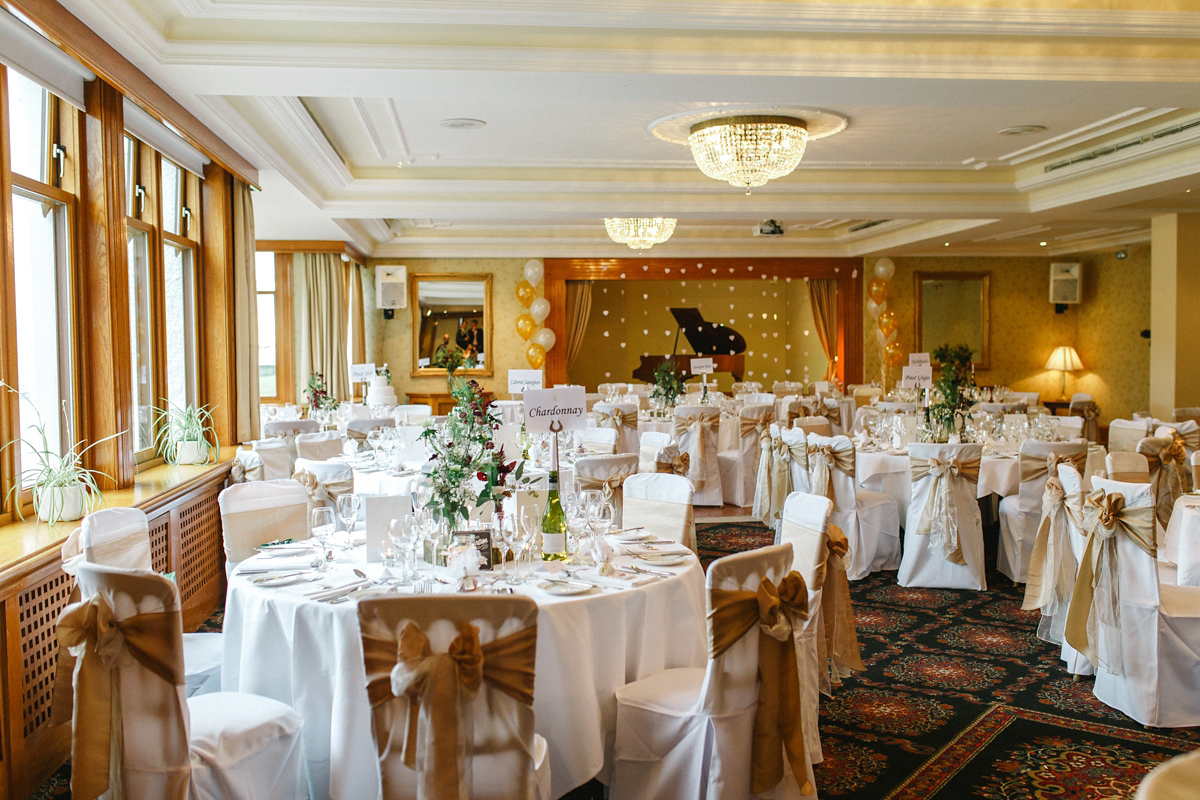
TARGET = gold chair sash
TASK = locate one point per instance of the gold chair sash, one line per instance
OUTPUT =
(319, 491)
(779, 478)
(699, 425)
(841, 635)
(608, 486)
(438, 688)
(678, 465)
(597, 448)
(1165, 464)
(749, 425)
(1091, 414)
(239, 474)
(777, 725)
(616, 420)
(824, 458)
(1097, 593)
(1189, 442)
(1190, 439)
(97, 639)
(939, 517)
(797, 410)
(833, 414)
(1034, 467)
(1052, 565)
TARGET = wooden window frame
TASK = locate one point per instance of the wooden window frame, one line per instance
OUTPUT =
(285, 351)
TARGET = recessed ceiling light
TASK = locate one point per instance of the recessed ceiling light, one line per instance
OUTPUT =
(1021, 130)
(1041, 244)
(462, 123)
(947, 244)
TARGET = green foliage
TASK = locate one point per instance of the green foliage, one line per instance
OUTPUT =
(948, 400)
(319, 397)
(178, 424)
(667, 385)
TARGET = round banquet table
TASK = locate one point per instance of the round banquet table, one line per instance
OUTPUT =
(308, 654)
(1181, 540)
(664, 425)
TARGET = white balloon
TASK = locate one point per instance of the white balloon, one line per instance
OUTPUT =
(884, 268)
(545, 337)
(875, 309)
(539, 309)
(893, 336)
(879, 337)
(534, 271)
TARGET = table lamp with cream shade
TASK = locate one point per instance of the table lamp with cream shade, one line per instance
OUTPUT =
(1064, 359)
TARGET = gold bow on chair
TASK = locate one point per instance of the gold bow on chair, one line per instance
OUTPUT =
(97, 639)
(795, 411)
(608, 486)
(1052, 565)
(319, 491)
(678, 465)
(778, 480)
(1034, 467)
(1097, 594)
(1165, 464)
(833, 413)
(841, 636)
(939, 517)
(749, 425)
(777, 726)
(438, 688)
(616, 420)
(698, 424)
(824, 458)
(1190, 439)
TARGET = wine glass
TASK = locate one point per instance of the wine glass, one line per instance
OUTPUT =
(349, 505)
(422, 494)
(322, 525)
(506, 534)
(402, 532)
(531, 522)
(374, 437)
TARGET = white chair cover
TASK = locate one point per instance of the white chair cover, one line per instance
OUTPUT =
(412, 413)
(276, 458)
(330, 480)
(662, 504)
(163, 745)
(1030, 399)
(687, 733)
(260, 512)
(1070, 427)
(696, 433)
(870, 520)
(1124, 435)
(608, 474)
(1174, 779)
(757, 398)
(600, 441)
(1073, 489)
(501, 755)
(943, 512)
(1020, 514)
(247, 466)
(888, 406)
(1084, 406)
(287, 430)
(320, 446)
(621, 417)
(739, 467)
(656, 447)
(1157, 633)
(359, 428)
(1166, 461)
(1128, 467)
(1053, 563)
(818, 424)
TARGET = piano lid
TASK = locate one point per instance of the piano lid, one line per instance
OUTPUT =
(708, 338)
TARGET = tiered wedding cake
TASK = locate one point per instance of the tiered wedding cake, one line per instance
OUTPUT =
(379, 393)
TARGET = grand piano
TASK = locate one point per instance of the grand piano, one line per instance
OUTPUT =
(724, 345)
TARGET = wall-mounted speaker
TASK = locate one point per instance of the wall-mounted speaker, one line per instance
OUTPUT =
(1066, 283)
(391, 287)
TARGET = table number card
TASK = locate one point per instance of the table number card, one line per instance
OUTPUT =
(523, 380)
(821, 387)
(566, 407)
(380, 510)
(362, 373)
(917, 377)
(702, 366)
(918, 360)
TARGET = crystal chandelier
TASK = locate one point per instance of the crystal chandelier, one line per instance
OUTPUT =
(640, 233)
(748, 151)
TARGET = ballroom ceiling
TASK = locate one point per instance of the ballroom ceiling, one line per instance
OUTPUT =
(352, 110)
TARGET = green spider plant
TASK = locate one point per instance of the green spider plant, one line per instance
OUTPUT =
(179, 424)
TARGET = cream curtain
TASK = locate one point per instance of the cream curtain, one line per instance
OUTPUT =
(822, 294)
(325, 325)
(245, 315)
(579, 308)
(354, 295)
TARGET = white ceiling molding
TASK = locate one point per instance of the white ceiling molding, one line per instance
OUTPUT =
(728, 15)
(1083, 134)
(368, 124)
(306, 141)
(37, 58)
(358, 237)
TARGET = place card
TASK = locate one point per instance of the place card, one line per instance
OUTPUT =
(483, 541)
(565, 407)
(380, 510)
(362, 373)
(918, 360)
(702, 366)
(522, 380)
(917, 377)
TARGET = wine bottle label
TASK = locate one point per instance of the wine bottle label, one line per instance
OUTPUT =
(554, 542)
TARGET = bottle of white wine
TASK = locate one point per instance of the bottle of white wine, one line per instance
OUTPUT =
(554, 521)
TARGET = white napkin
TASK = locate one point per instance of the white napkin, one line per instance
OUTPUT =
(324, 593)
(590, 575)
(290, 562)
(659, 549)
(350, 447)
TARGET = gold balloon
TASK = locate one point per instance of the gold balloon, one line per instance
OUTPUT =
(887, 322)
(525, 293)
(535, 354)
(894, 354)
(877, 290)
(526, 326)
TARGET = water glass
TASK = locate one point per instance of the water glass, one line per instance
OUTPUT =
(402, 532)
(349, 505)
(322, 525)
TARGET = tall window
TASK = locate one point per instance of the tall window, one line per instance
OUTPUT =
(42, 212)
(162, 238)
(272, 274)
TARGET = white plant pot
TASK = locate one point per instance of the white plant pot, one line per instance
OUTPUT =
(191, 452)
(60, 503)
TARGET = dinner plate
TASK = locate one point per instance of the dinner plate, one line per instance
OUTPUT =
(565, 587)
(631, 536)
(272, 583)
(663, 559)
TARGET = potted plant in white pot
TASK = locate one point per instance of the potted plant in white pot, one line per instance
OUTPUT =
(63, 488)
(185, 434)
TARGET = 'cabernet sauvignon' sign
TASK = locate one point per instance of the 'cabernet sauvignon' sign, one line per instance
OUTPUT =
(548, 409)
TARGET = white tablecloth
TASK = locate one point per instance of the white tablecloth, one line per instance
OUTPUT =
(889, 474)
(656, 425)
(384, 482)
(1181, 540)
(309, 655)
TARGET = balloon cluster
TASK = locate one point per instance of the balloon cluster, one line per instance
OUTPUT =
(887, 332)
(529, 325)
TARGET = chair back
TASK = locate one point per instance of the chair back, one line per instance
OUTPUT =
(498, 722)
(1124, 435)
(1165, 460)
(754, 420)
(276, 458)
(247, 466)
(261, 512)
(1137, 569)
(289, 428)
(1082, 405)
(887, 406)
(1072, 483)
(757, 398)
(731, 679)
(819, 425)
(608, 474)
(831, 469)
(1034, 462)
(149, 737)
(358, 429)
(1030, 399)
(320, 446)
(656, 446)
(1070, 427)
(600, 441)
(325, 482)
(696, 435)
(662, 504)
(1127, 467)
(805, 517)
(116, 537)
(509, 411)
(1187, 430)
(797, 443)
(956, 494)
(412, 413)
(621, 417)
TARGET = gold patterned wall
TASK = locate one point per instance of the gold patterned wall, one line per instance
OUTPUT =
(1105, 328)
(632, 318)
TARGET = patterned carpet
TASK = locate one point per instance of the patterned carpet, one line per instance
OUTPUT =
(959, 699)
